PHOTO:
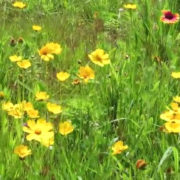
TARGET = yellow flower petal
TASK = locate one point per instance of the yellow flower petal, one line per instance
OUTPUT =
(65, 128)
(62, 76)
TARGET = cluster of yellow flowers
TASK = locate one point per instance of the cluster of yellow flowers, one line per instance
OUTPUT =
(41, 131)
(98, 57)
(172, 117)
(22, 63)
(37, 128)
(46, 53)
(20, 109)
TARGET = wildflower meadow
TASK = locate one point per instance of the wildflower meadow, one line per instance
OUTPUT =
(89, 90)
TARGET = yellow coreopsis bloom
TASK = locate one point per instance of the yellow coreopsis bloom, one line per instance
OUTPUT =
(176, 99)
(22, 151)
(54, 108)
(62, 76)
(175, 75)
(55, 48)
(170, 115)
(47, 51)
(42, 95)
(19, 4)
(24, 64)
(130, 6)
(27, 106)
(99, 57)
(118, 147)
(65, 128)
(172, 127)
(16, 111)
(175, 106)
(86, 73)
(36, 28)
(15, 58)
(7, 106)
(40, 131)
(48, 141)
(32, 113)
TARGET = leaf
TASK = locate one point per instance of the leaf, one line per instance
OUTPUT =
(167, 153)
(176, 159)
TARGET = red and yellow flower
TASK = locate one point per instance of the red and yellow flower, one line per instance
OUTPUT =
(168, 17)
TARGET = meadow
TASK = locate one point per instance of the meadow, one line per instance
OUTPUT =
(89, 89)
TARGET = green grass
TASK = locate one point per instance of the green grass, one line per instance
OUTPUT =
(123, 102)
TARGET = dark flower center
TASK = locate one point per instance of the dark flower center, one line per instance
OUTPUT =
(98, 58)
(169, 15)
(44, 53)
(37, 131)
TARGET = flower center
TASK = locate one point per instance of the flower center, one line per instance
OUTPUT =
(37, 131)
(98, 58)
(86, 75)
(169, 15)
(44, 53)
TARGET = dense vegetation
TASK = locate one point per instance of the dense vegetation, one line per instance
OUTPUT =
(102, 68)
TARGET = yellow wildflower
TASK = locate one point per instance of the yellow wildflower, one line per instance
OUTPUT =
(16, 111)
(170, 115)
(24, 64)
(54, 108)
(175, 106)
(65, 128)
(42, 95)
(175, 75)
(40, 131)
(62, 76)
(99, 57)
(7, 106)
(36, 28)
(15, 58)
(86, 73)
(22, 151)
(130, 6)
(118, 147)
(176, 99)
(47, 51)
(27, 106)
(32, 113)
(55, 48)
(172, 127)
(19, 4)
